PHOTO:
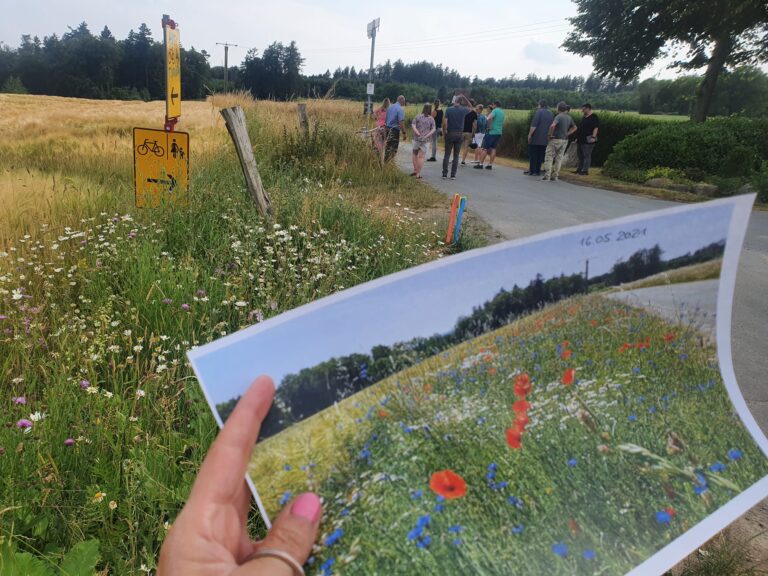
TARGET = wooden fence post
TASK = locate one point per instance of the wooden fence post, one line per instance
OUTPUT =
(235, 121)
(303, 119)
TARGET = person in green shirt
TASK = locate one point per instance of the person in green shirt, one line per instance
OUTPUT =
(491, 139)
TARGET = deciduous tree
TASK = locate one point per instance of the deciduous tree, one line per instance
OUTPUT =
(625, 36)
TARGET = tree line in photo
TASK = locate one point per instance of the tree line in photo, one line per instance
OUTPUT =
(312, 389)
(82, 64)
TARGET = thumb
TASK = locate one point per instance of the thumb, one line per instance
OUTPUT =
(294, 532)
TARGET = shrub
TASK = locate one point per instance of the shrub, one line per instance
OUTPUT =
(726, 147)
(614, 127)
(760, 182)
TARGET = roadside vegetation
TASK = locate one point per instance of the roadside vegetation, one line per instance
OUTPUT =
(104, 427)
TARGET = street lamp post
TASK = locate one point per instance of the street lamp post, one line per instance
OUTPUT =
(373, 27)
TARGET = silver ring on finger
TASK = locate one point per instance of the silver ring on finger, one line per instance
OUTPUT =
(298, 570)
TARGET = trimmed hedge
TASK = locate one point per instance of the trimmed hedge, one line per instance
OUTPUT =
(722, 148)
(614, 127)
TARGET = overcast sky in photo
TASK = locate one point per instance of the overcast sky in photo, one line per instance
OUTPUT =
(493, 38)
(431, 302)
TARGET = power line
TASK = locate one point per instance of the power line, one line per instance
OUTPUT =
(455, 38)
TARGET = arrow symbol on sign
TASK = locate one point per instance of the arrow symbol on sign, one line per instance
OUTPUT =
(174, 95)
(171, 180)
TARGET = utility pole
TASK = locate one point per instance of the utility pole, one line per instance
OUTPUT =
(373, 27)
(226, 62)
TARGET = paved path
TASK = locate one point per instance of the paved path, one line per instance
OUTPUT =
(517, 205)
(691, 303)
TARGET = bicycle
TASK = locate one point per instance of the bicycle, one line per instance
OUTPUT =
(150, 146)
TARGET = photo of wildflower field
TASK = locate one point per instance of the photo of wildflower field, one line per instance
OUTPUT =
(555, 429)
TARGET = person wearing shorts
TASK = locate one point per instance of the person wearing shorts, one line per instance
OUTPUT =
(492, 137)
(423, 127)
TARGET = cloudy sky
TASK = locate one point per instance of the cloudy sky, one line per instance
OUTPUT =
(493, 38)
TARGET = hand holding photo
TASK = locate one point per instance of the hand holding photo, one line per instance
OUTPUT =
(563, 404)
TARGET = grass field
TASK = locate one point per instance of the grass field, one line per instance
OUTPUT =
(615, 456)
(104, 427)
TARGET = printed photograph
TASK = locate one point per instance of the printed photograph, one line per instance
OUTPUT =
(545, 407)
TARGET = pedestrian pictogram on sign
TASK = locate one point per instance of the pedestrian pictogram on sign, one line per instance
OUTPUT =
(160, 167)
(172, 68)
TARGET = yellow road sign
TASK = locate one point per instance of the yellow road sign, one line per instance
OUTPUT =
(160, 167)
(172, 72)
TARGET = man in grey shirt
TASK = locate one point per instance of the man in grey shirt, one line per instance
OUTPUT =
(453, 129)
(538, 138)
(559, 131)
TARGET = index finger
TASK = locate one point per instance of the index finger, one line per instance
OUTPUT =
(222, 472)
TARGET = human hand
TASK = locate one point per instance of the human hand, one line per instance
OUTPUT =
(210, 535)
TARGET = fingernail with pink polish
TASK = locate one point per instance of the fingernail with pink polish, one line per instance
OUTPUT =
(307, 506)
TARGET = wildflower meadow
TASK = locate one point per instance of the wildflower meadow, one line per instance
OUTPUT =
(579, 440)
(104, 426)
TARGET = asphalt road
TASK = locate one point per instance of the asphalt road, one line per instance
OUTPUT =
(692, 303)
(516, 205)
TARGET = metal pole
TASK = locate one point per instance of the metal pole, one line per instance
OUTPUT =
(370, 70)
(226, 67)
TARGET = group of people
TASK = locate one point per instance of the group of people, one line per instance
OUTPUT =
(467, 126)
(550, 135)
(464, 125)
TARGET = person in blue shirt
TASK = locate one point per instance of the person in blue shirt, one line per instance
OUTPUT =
(395, 126)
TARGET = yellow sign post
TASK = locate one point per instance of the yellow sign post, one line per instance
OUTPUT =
(160, 167)
(172, 69)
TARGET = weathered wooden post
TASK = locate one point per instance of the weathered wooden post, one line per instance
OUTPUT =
(303, 119)
(235, 120)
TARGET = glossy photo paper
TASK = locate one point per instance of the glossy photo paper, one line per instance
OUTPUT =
(563, 404)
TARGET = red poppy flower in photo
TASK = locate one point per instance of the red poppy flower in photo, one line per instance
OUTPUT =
(594, 323)
(383, 414)
(669, 337)
(671, 511)
(624, 347)
(643, 344)
(491, 370)
(514, 438)
(448, 484)
(565, 354)
(521, 421)
(521, 406)
(568, 376)
(522, 385)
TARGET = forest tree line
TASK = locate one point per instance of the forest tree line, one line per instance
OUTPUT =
(312, 389)
(82, 64)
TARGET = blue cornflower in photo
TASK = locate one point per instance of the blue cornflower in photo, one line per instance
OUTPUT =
(588, 554)
(663, 517)
(457, 541)
(652, 410)
(455, 529)
(417, 494)
(287, 468)
(439, 507)
(734, 454)
(415, 533)
(481, 421)
(561, 549)
(572, 462)
(632, 417)
(424, 520)
(345, 512)
(717, 467)
(327, 566)
(518, 529)
(285, 497)
(424, 542)
(699, 489)
(515, 501)
(333, 537)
